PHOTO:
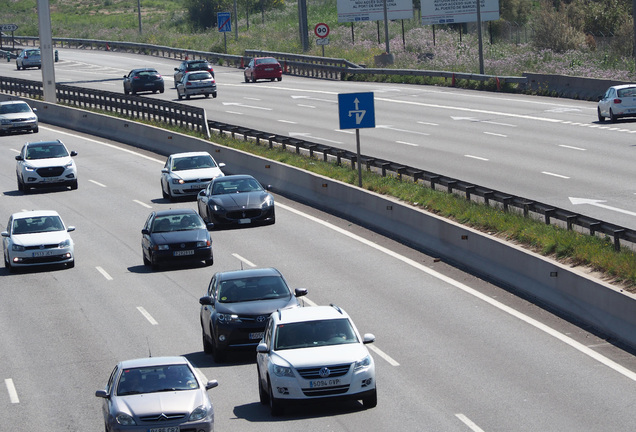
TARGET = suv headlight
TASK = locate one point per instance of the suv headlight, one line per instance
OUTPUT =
(17, 248)
(199, 413)
(228, 318)
(177, 181)
(28, 168)
(203, 243)
(162, 247)
(362, 364)
(216, 207)
(269, 201)
(282, 371)
(66, 243)
(69, 165)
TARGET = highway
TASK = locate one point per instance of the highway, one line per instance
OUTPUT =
(545, 149)
(453, 353)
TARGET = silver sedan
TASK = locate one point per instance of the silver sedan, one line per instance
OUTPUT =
(196, 83)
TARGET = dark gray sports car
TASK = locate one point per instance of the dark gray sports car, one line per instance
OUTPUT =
(236, 200)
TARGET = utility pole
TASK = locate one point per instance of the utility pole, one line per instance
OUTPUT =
(303, 26)
(46, 52)
(479, 36)
(139, 14)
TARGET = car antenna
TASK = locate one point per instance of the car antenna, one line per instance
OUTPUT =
(148, 342)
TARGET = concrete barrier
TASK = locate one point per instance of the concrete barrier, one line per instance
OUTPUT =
(571, 291)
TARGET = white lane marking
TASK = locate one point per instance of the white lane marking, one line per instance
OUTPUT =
(382, 354)
(554, 175)
(428, 123)
(571, 147)
(407, 143)
(246, 106)
(13, 393)
(468, 422)
(344, 131)
(389, 127)
(104, 273)
(306, 106)
(496, 134)
(143, 204)
(538, 325)
(149, 317)
(499, 123)
(252, 98)
(244, 260)
(234, 112)
(476, 157)
(107, 145)
(97, 183)
(288, 121)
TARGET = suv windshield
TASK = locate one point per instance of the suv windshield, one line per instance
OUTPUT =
(314, 333)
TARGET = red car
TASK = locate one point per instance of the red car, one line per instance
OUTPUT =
(263, 68)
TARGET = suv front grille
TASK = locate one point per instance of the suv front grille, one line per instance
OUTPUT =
(156, 418)
(50, 171)
(326, 391)
(334, 371)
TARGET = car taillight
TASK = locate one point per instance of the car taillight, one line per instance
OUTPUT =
(617, 101)
(135, 77)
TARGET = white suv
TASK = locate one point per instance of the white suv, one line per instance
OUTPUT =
(311, 353)
(45, 164)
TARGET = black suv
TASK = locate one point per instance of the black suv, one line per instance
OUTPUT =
(237, 305)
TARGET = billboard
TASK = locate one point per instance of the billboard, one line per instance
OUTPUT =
(373, 10)
(458, 11)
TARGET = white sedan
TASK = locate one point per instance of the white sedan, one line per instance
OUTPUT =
(618, 101)
(186, 174)
(35, 238)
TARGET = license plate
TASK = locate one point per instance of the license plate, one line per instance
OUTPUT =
(43, 253)
(269, 69)
(244, 221)
(258, 335)
(183, 252)
(324, 383)
(165, 429)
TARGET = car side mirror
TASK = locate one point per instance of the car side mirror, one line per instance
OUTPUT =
(34, 110)
(101, 394)
(206, 301)
(5, 234)
(73, 153)
(70, 228)
(124, 76)
(18, 158)
(209, 226)
(299, 292)
(262, 348)
(202, 193)
(164, 170)
(221, 164)
(211, 384)
(145, 231)
(176, 69)
(368, 338)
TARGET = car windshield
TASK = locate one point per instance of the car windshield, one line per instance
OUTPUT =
(198, 66)
(156, 379)
(177, 222)
(253, 289)
(199, 76)
(266, 61)
(627, 92)
(235, 186)
(147, 73)
(46, 151)
(32, 225)
(314, 333)
(32, 53)
(14, 108)
(192, 162)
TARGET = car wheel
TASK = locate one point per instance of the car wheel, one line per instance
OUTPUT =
(372, 400)
(600, 117)
(134, 93)
(253, 79)
(126, 91)
(279, 78)
(7, 264)
(271, 79)
(247, 79)
(18, 66)
(209, 261)
(207, 95)
(207, 346)
(70, 264)
(36, 129)
(219, 355)
(262, 393)
(214, 95)
(20, 186)
(25, 189)
(187, 97)
(163, 192)
(146, 260)
(179, 95)
(275, 406)
(612, 116)
(161, 91)
(74, 185)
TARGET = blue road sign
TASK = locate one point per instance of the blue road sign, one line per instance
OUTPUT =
(224, 19)
(356, 110)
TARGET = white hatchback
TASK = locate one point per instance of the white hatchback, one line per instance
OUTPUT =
(314, 353)
(35, 238)
(45, 164)
(618, 101)
(186, 174)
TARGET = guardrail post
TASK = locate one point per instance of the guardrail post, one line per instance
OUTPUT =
(593, 227)
(526, 208)
(450, 185)
(569, 221)
(548, 213)
(433, 180)
(468, 191)
(617, 239)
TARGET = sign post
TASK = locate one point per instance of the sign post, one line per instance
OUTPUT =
(356, 111)
(224, 21)
(8, 28)
(322, 31)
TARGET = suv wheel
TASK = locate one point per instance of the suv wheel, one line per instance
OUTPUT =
(207, 346)
(262, 393)
(275, 406)
(218, 354)
(371, 401)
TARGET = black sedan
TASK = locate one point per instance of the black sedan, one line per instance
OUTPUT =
(236, 200)
(235, 309)
(175, 235)
(143, 80)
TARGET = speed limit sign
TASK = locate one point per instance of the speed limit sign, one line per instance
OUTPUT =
(321, 30)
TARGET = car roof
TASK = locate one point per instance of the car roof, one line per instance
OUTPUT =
(188, 154)
(13, 102)
(148, 69)
(196, 61)
(153, 361)
(234, 177)
(247, 273)
(261, 58)
(623, 86)
(57, 142)
(311, 313)
(34, 213)
(177, 211)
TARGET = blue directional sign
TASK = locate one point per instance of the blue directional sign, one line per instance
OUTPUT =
(356, 110)
(224, 19)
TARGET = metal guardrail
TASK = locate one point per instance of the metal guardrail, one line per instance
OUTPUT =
(131, 106)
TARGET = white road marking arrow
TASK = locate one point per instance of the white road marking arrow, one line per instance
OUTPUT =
(597, 203)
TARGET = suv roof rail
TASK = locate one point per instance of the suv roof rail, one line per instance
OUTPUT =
(336, 307)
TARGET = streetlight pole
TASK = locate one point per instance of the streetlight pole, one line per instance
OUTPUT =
(139, 14)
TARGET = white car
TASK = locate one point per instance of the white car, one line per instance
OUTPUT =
(45, 164)
(35, 238)
(186, 174)
(17, 116)
(195, 84)
(618, 101)
(314, 353)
